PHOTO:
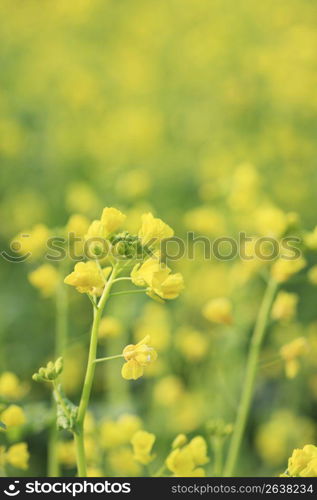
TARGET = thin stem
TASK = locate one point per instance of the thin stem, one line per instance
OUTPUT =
(122, 279)
(250, 375)
(127, 292)
(90, 371)
(99, 360)
(60, 344)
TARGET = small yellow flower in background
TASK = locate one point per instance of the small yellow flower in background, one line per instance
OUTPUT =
(156, 276)
(45, 278)
(154, 321)
(284, 430)
(310, 239)
(270, 220)
(291, 352)
(142, 443)
(81, 198)
(179, 441)
(312, 275)
(198, 448)
(205, 220)
(284, 307)
(192, 344)
(137, 357)
(18, 456)
(33, 241)
(94, 472)
(77, 224)
(13, 416)
(119, 432)
(184, 461)
(129, 425)
(110, 327)
(11, 387)
(168, 391)
(303, 462)
(284, 269)
(87, 278)
(122, 462)
(153, 230)
(219, 311)
(66, 452)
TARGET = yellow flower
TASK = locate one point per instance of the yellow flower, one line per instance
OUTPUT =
(94, 472)
(291, 352)
(179, 441)
(110, 327)
(115, 433)
(13, 416)
(10, 386)
(312, 275)
(33, 241)
(157, 277)
(284, 269)
(45, 278)
(137, 357)
(219, 311)
(18, 456)
(284, 307)
(142, 274)
(142, 443)
(311, 239)
(129, 425)
(303, 462)
(198, 448)
(87, 278)
(122, 462)
(192, 344)
(181, 463)
(96, 244)
(66, 453)
(112, 219)
(153, 230)
(77, 224)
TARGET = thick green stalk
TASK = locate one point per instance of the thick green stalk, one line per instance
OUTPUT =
(60, 344)
(90, 371)
(250, 375)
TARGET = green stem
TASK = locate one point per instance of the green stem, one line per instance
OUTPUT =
(127, 292)
(108, 358)
(250, 375)
(90, 371)
(60, 344)
(159, 472)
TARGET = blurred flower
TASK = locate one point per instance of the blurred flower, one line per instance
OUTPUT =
(284, 307)
(283, 430)
(219, 311)
(284, 269)
(312, 275)
(192, 344)
(123, 463)
(13, 416)
(303, 462)
(291, 352)
(32, 241)
(310, 239)
(168, 390)
(142, 443)
(66, 452)
(110, 327)
(45, 278)
(183, 462)
(18, 456)
(80, 198)
(11, 387)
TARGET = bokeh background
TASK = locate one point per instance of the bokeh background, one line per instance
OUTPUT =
(203, 111)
